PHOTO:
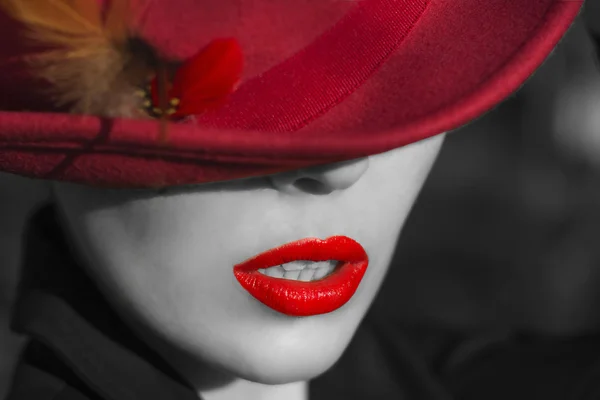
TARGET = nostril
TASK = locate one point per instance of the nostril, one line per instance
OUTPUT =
(312, 186)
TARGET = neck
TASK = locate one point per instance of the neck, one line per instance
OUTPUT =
(242, 389)
(214, 384)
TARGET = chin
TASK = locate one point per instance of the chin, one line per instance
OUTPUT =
(281, 365)
(278, 354)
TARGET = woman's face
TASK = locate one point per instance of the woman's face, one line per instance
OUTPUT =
(166, 260)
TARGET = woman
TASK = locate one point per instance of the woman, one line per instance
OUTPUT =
(232, 249)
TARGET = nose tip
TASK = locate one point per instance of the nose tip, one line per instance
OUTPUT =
(321, 179)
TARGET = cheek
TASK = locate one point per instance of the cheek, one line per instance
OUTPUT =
(167, 265)
(398, 177)
(395, 180)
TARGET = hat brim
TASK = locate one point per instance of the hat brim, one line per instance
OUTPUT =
(390, 73)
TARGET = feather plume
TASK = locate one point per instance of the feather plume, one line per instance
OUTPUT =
(96, 63)
(90, 59)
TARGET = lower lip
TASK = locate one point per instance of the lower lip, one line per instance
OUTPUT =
(302, 299)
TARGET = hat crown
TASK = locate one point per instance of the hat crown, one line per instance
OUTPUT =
(268, 30)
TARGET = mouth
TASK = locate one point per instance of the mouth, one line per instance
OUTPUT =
(307, 277)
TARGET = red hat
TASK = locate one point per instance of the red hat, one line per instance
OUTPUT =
(271, 85)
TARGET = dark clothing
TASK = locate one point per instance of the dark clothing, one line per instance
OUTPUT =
(81, 350)
(596, 41)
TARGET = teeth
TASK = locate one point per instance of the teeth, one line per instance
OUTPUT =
(303, 264)
(320, 273)
(301, 270)
(296, 265)
(275, 272)
(306, 275)
(292, 275)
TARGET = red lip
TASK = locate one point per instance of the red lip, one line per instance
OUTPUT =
(301, 299)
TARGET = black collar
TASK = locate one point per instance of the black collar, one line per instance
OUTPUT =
(61, 309)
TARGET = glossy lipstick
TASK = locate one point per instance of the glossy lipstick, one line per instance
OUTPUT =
(301, 299)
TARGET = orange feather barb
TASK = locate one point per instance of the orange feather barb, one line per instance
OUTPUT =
(88, 60)
(96, 64)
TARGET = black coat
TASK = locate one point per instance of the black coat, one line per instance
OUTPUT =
(81, 350)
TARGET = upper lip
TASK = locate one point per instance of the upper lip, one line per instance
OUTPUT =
(311, 248)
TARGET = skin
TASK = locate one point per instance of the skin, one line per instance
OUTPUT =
(165, 261)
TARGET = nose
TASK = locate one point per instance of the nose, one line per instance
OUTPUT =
(321, 179)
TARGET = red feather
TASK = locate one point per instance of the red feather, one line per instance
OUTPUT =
(205, 80)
